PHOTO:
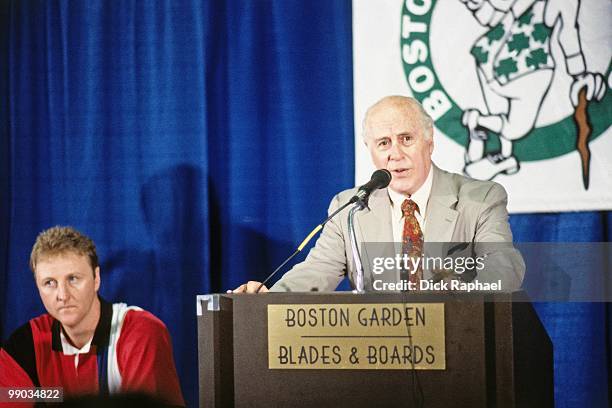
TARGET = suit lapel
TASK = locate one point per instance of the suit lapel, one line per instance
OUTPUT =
(375, 221)
(441, 217)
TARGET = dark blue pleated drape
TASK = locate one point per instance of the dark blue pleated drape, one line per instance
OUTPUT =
(197, 142)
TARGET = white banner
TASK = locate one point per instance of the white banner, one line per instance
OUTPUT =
(519, 91)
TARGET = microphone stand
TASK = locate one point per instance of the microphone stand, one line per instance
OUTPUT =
(359, 276)
(305, 242)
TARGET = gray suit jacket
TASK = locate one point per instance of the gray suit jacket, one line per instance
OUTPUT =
(459, 210)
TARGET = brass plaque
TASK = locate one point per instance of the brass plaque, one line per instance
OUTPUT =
(367, 336)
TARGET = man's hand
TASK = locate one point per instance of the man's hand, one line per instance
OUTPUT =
(249, 287)
(594, 83)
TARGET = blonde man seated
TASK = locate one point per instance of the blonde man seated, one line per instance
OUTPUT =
(84, 344)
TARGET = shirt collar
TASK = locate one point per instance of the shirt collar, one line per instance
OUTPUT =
(69, 350)
(420, 197)
(101, 334)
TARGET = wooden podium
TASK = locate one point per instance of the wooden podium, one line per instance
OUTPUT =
(497, 354)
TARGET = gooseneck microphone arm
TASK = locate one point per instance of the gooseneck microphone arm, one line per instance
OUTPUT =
(380, 179)
(303, 244)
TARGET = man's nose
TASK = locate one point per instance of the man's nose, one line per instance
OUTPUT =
(395, 152)
(62, 292)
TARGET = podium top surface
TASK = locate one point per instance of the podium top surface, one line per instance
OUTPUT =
(212, 302)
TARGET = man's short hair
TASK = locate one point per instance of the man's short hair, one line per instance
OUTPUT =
(399, 100)
(59, 240)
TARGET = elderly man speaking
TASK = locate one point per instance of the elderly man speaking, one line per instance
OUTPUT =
(422, 204)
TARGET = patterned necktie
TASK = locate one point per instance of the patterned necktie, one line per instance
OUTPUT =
(412, 238)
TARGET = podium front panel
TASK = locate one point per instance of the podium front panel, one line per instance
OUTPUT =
(480, 360)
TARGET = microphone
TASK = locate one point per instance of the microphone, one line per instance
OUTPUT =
(380, 179)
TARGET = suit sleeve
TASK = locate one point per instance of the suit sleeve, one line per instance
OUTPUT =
(325, 265)
(493, 240)
(146, 363)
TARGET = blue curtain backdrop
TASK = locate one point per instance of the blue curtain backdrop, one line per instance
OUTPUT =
(197, 142)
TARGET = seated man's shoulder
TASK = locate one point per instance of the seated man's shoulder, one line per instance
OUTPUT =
(139, 319)
(18, 358)
(40, 324)
(19, 338)
(21, 331)
(142, 332)
(43, 322)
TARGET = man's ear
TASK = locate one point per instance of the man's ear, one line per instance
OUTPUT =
(97, 278)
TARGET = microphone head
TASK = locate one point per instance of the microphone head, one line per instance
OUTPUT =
(382, 177)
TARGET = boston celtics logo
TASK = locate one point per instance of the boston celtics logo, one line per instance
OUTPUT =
(512, 81)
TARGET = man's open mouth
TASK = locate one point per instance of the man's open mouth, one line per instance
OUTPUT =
(399, 172)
